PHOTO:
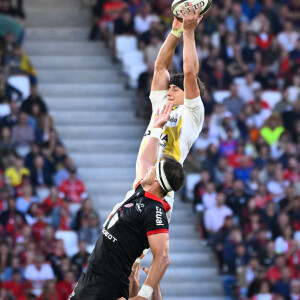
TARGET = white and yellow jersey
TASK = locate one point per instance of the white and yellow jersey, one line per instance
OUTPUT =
(181, 130)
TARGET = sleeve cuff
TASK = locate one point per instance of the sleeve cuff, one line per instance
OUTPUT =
(156, 231)
(137, 184)
(155, 94)
(192, 103)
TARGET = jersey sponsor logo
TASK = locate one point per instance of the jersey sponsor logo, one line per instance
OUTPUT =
(128, 205)
(108, 235)
(165, 138)
(173, 119)
(159, 214)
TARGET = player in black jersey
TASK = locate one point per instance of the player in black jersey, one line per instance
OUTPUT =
(139, 222)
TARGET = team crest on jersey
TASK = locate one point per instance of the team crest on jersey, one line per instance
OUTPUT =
(139, 207)
(128, 205)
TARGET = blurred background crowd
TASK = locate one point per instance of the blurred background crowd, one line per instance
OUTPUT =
(243, 173)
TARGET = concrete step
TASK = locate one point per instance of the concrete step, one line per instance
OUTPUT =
(184, 231)
(107, 104)
(65, 48)
(78, 76)
(52, 17)
(191, 289)
(85, 90)
(64, 62)
(108, 173)
(190, 260)
(192, 245)
(75, 104)
(175, 274)
(38, 5)
(62, 34)
(97, 117)
(109, 188)
(107, 146)
(106, 160)
(99, 132)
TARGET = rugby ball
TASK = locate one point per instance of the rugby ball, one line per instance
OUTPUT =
(176, 6)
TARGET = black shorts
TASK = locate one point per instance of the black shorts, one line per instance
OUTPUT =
(91, 286)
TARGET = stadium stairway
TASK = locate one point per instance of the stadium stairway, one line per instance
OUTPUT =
(95, 118)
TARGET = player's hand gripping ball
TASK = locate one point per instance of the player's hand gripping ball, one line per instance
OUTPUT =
(176, 6)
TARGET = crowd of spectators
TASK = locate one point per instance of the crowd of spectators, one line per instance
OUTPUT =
(41, 193)
(247, 157)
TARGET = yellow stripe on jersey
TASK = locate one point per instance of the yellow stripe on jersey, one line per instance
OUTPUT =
(172, 144)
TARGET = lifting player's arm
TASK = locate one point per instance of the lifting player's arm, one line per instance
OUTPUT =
(161, 77)
(190, 57)
(157, 291)
(134, 283)
(149, 154)
(159, 244)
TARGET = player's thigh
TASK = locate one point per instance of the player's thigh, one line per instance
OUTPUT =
(95, 287)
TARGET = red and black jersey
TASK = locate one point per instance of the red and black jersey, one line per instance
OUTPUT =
(124, 235)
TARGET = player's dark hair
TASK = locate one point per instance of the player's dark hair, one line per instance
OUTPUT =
(174, 173)
(178, 80)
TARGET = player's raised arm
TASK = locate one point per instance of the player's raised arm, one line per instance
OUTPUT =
(190, 58)
(161, 77)
(149, 154)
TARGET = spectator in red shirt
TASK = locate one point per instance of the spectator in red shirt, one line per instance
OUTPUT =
(274, 273)
(48, 243)
(56, 257)
(292, 173)
(52, 206)
(66, 286)
(65, 217)
(16, 286)
(293, 258)
(234, 160)
(264, 38)
(49, 291)
(51, 201)
(7, 217)
(5, 256)
(73, 188)
(38, 228)
(112, 10)
(262, 196)
(258, 98)
(83, 214)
